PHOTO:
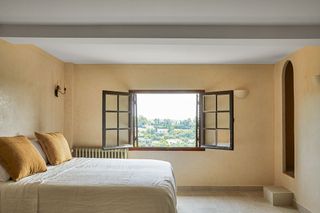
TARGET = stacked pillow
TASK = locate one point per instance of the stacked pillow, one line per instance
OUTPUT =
(20, 157)
(4, 176)
(55, 146)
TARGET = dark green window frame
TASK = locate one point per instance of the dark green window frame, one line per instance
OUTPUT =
(202, 141)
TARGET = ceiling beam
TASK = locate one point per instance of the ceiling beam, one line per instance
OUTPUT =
(162, 31)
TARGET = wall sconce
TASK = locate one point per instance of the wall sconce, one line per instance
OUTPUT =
(316, 79)
(58, 90)
(241, 93)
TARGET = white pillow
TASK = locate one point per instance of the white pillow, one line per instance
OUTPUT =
(40, 150)
(4, 176)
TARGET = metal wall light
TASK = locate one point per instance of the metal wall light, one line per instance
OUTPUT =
(58, 90)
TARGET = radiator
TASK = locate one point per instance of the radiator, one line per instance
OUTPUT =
(81, 152)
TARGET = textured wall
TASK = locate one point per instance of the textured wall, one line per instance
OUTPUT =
(27, 79)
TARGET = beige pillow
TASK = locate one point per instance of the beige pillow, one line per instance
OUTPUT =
(39, 149)
(19, 157)
(55, 146)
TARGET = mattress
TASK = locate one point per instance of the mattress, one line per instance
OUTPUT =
(94, 185)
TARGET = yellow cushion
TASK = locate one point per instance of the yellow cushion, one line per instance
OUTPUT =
(19, 157)
(55, 146)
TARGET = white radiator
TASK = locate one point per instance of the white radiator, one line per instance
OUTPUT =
(82, 152)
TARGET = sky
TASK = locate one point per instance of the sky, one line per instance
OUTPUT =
(170, 106)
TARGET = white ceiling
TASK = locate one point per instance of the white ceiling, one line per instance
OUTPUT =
(167, 51)
(164, 12)
(257, 12)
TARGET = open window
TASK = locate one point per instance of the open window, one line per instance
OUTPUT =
(116, 119)
(217, 130)
(168, 119)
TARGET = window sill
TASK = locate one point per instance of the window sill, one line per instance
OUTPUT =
(289, 173)
(167, 149)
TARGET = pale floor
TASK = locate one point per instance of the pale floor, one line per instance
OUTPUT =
(227, 202)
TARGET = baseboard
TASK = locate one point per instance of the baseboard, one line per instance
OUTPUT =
(300, 208)
(219, 188)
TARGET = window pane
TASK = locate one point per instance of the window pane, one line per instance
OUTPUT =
(123, 120)
(210, 120)
(210, 137)
(123, 102)
(111, 138)
(223, 102)
(111, 120)
(111, 102)
(209, 102)
(223, 138)
(123, 137)
(223, 120)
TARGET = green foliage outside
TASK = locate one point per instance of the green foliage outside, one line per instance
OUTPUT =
(166, 132)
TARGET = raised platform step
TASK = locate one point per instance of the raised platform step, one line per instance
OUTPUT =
(278, 196)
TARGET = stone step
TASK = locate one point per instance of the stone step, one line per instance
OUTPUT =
(278, 196)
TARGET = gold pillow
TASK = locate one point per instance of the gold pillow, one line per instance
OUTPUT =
(19, 157)
(55, 146)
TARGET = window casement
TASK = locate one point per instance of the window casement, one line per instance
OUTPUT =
(116, 119)
(213, 119)
(217, 119)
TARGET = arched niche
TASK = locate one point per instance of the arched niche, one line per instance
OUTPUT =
(288, 116)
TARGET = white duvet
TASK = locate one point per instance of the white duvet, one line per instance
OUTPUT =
(85, 185)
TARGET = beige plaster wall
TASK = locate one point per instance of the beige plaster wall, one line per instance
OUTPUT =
(27, 79)
(306, 184)
(251, 163)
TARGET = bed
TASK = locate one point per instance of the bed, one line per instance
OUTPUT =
(84, 185)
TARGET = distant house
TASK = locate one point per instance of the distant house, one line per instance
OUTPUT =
(162, 130)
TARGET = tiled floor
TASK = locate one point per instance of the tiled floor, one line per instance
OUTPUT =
(227, 202)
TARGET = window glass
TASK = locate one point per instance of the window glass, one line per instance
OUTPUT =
(223, 102)
(209, 102)
(111, 102)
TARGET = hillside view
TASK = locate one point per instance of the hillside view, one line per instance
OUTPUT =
(166, 132)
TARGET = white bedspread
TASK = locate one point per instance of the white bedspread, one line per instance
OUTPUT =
(94, 185)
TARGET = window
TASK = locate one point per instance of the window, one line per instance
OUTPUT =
(167, 119)
(116, 119)
(217, 131)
